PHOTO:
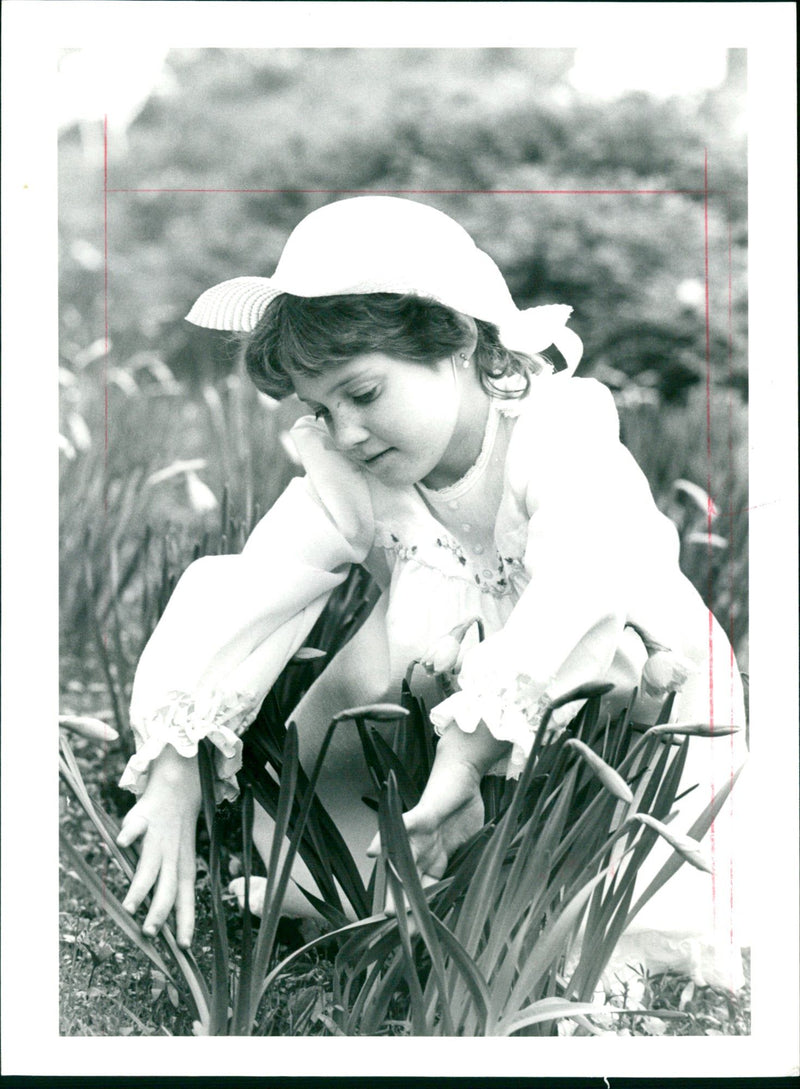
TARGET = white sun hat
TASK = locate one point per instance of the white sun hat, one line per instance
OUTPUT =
(369, 244)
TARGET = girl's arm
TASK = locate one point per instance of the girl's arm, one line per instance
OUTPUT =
(597, 552)
(166, 816)
(230, 627)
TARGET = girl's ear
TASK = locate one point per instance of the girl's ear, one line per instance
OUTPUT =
(471, 334)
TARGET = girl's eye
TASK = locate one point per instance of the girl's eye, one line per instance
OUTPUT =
(365, 397)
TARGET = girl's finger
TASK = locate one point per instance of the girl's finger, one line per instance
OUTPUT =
(145, 876)
(164, 897)
(184, 915)
(184, 901)
(133, 825)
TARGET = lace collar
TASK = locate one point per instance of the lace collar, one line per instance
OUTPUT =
(464, 483)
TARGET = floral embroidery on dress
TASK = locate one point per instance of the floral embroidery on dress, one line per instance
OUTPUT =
(454, 547)
(444, 554)
(405, 553)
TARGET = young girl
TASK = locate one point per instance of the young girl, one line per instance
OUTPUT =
(443, 454)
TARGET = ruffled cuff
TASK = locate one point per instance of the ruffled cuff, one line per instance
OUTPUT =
(183, 721)
(511, 712)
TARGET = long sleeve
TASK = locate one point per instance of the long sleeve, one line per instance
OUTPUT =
(593, 537)
(233, 622)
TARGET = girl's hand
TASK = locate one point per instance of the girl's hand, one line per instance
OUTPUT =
(435, 837)
(166, 815)
(450, 810)
(434, 840)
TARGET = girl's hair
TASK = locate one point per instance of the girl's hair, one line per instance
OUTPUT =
(307, 336)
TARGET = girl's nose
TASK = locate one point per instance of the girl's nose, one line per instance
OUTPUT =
(347, 430)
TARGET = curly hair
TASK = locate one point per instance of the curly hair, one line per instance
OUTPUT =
(307, 336)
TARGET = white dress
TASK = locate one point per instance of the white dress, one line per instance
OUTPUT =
(554, 540)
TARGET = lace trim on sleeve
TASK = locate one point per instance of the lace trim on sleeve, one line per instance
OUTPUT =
(511, 712)
(183, 721)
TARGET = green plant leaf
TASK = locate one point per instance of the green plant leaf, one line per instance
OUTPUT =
(550, 945)
(395, 844)
(546, 1009)
(468, 970)
(243, 1013)
(419, 1019)
(697, 831)
(221, 998)
(113, 908)
(409, 793)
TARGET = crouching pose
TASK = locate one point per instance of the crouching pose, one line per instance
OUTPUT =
(443, 453)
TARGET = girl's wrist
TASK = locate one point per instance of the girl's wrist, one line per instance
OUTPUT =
(477, 751)
(173, 767)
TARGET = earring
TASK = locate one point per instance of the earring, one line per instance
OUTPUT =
(464, 358)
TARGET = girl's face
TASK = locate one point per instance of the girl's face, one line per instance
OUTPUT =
(404, 422)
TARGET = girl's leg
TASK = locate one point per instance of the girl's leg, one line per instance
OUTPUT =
(358, 675)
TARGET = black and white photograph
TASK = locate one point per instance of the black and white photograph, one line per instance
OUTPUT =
(420, 668)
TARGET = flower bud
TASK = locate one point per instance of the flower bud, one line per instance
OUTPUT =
(442, 657)
(665, 672)
(688, 848)
(94, 729)
(308, 654)
(695, 729)
(375, 712)
(201, 498)
(611, 779)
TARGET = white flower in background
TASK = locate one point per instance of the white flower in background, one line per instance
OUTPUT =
(79, 431)
(690, 492)
(86, 255)
(65, 447)
(191, 465)
(712, 540)
(124, 381)
(665, 672)
(691, 293)
(96, 350)
(201, 498)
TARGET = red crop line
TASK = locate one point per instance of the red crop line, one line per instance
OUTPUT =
(730, 437)
(439, 192)
(731, 579)
(710, 513)
(106, 343)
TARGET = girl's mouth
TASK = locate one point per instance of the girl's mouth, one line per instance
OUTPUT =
(376, 458)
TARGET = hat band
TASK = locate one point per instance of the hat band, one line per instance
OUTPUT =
(238, 305)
